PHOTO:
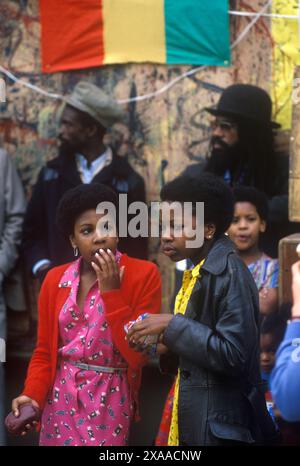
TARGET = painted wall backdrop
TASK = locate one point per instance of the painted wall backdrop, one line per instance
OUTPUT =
(162, 134)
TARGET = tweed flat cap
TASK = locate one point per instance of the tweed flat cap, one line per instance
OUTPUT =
(91, 99)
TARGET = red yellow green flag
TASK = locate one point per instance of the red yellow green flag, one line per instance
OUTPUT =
(80, 34)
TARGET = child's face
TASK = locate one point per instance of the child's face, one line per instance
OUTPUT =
(91, 234)
(268, 348)
(175, 247)
(246, 226)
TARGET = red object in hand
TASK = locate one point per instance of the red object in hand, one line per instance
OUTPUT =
(28, 414)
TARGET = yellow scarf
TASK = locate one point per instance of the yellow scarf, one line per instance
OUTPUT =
(182, 299)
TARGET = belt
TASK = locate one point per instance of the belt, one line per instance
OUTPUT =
(91, 367)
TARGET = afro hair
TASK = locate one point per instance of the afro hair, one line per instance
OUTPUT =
(254, 197)
(207, 188)
(273, 323)
(79, 199)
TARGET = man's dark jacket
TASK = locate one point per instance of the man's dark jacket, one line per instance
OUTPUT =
(216, 346)
(278, 224)
(41, 237)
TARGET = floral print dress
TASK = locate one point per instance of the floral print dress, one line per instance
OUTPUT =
(86, 407)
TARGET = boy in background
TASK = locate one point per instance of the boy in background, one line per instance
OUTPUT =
(248, 225)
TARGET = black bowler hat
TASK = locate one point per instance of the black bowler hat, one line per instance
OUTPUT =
(247, 102)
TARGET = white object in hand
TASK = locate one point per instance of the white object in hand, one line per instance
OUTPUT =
(298, 249)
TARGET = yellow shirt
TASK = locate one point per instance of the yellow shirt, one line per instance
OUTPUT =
(182, 299)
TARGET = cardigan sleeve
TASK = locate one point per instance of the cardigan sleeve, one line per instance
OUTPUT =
(146, 299)
(38, 379)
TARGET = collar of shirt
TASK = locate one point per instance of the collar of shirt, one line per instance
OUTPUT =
(88, 172)
(71, 274)
(195, 271)
(239, 181)
(188, 283)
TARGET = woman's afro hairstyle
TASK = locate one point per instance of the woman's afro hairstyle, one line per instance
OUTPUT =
(207, 188)
(77, 200)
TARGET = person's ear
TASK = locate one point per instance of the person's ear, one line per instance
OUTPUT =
(209, 231)
(263, 226)
(72, 241)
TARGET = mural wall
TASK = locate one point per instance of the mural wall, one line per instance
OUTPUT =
(162, 134)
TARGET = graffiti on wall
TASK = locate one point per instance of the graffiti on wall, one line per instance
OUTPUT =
(161, 136)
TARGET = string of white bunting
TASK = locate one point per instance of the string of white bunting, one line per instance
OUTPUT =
(256, 16)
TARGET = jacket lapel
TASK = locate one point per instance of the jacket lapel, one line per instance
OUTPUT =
(67, 170)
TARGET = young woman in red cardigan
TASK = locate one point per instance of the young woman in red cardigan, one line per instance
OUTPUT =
(83, 375)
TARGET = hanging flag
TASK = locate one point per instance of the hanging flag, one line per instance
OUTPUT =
(81, 34)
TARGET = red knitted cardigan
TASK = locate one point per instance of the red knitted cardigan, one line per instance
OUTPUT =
(140, 292)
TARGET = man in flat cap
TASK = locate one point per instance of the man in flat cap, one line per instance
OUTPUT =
(242, 152)
(83, 158)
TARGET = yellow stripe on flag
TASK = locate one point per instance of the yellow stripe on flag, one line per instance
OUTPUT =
(134, 30)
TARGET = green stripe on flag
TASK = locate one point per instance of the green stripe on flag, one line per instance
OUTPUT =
(197, 32)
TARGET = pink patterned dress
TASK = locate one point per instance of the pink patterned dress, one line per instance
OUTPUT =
(86, 407)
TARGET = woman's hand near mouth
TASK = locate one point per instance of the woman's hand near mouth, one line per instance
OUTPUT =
(108, 273)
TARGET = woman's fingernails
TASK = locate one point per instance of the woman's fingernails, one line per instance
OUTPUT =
(109, 251)
(101, 250)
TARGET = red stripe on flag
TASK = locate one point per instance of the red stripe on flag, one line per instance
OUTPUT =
(72, 34)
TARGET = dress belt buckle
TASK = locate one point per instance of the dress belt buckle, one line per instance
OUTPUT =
(91, 367)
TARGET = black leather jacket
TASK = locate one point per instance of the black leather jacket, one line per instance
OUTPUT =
(216, 345)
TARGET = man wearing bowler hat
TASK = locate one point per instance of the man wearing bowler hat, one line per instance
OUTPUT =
(242, 152)
(83, 158)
